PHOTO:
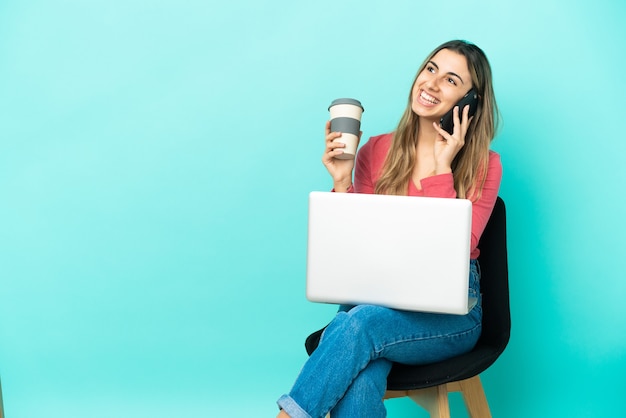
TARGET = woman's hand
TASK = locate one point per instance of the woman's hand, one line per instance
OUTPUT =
(447, 146)
(340, 170)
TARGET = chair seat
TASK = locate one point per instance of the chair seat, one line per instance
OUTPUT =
(405, 377)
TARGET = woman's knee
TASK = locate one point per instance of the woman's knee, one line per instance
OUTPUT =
(368, 317)
(363, 321)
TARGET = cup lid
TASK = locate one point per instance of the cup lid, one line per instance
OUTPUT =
(354, 102)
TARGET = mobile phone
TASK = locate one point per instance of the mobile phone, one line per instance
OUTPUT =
(471, 99)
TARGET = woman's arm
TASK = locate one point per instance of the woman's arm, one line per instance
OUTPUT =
(442, 185)
(482, 208)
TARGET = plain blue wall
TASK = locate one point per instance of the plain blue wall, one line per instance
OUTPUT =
(155, 162)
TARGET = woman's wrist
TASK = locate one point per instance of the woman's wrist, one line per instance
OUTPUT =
(442, 169)
(342, 186)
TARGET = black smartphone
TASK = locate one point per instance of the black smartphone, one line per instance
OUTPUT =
(471, 99)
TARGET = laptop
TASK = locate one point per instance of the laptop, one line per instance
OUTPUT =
(404, 252)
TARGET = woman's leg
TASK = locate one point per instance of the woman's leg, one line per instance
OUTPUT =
(345, 364)
(329, 371)
(354, 339)
(364, 397)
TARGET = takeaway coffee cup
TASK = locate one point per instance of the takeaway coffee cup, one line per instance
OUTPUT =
(345, 117)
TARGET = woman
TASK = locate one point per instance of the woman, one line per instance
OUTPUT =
(347, 373)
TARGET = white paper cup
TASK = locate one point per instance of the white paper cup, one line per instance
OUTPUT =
(345, 117)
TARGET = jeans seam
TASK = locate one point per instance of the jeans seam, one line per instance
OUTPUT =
(379, 350)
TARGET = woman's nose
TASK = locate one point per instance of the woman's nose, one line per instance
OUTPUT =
(431, 84)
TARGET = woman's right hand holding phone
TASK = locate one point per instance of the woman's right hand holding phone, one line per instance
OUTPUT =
(339, 169)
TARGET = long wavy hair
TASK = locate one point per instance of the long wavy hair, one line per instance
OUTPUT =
(470, 164)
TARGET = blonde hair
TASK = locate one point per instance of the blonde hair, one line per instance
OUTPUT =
(470, 164)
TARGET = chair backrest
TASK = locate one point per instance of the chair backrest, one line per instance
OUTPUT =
(493, 261)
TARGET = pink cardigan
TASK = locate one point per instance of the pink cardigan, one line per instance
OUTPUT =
(369, 163)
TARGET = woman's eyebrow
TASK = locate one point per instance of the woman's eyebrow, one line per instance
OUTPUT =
(434, 64)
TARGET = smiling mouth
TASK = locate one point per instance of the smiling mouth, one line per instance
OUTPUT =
(428, 98)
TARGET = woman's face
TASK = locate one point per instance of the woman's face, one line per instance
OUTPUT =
(442, 83)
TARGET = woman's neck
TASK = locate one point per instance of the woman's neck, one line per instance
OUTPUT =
(426, 133)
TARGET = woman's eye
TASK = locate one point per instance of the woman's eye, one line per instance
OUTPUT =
(430, 69)
(452, 81)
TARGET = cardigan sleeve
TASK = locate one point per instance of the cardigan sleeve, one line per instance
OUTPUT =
(482, 208)
(440, 185)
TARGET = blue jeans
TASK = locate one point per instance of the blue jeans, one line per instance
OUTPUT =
(347, 373)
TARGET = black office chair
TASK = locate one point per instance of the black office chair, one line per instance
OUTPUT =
(429, 385)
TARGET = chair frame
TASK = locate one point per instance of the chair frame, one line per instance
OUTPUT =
(435, 399)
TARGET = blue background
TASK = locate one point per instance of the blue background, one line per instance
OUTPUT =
(155, 162)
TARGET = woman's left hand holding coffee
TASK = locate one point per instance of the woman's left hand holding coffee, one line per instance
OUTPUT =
(339, 169)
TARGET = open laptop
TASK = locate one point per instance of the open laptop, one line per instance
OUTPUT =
(403, 252)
